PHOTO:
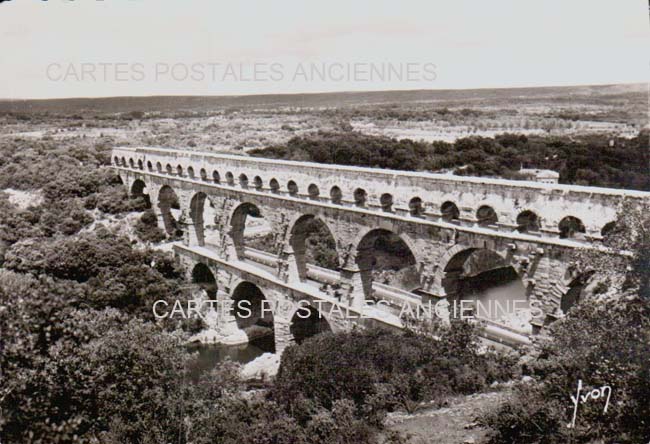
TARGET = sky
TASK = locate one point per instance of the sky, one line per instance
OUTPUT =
(96, 48)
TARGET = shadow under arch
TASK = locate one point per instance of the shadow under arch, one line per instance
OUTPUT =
(138, 192)
(197, 208)
(203, 216)
(496, 291)
(573, 295)
(385, 257)
(238, 227)
(528, 221)
(203, 277)
(307, 322)
(169, 204)
(252, 312)
(571, 227)
(313, 242)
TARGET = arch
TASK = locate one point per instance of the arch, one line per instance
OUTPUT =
(197, 207)
(416, 208)
(116, 160)
(292, 187)
(179, 171)
(360, 197)
(251, 311)
(336, 196)
(204, 174)
(307, 322)
(571, 227)
(140, 164)
(215, 177)
(230, 178)
(312, 241)
(485, 215)
(572, 295)
(313, 191)
(238, 226)
(131, 163)
(527, 221)
(274, 185)
(484, 277)
(168, 169)
(123, 162)
(387, 257)
(204, 278)
(243, 180)
(149, 165)
(447, 257)
(450, 211)
(138, 192)
(190, 172)
(386, 202)
(167, 202)
(258, 183)
(159, 167)
(608, 228)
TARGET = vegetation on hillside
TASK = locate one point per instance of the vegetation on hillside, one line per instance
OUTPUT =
(604, 341)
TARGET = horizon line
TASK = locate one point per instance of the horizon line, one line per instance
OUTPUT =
(316, 93)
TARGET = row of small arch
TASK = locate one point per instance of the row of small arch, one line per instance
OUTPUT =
(527, 221)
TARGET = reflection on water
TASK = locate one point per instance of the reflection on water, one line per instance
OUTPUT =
(208, 356)
(497, 290)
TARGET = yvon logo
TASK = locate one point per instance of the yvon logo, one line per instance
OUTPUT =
(593, 395)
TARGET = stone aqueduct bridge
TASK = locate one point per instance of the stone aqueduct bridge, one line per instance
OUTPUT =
(441, 218)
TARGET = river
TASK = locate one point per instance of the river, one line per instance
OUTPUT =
(209, 355)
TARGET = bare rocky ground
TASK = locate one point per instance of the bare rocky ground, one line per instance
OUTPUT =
(454, 423)
(618, 110)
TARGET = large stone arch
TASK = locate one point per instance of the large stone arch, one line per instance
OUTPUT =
(489, 283)
(203, 277)
(448, 255)
(364, 259)
(307, 321)
(566, 291)
(252, 310)
(299, 229)
(387, 226)
(237, 223)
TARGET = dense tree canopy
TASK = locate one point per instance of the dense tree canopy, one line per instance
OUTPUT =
(589, 160)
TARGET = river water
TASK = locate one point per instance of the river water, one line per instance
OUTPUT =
(209, 355)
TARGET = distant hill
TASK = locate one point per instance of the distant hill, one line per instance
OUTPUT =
(592, 94)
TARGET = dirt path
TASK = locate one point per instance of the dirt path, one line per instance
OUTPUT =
(448, 425)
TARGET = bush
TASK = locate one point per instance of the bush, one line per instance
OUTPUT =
(147, 230)
(70, 372)
(603, 344)
(380, 371)
(113, 274)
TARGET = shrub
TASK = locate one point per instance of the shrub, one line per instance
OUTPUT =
(146, 228)
(603, 344)
(380, 371)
